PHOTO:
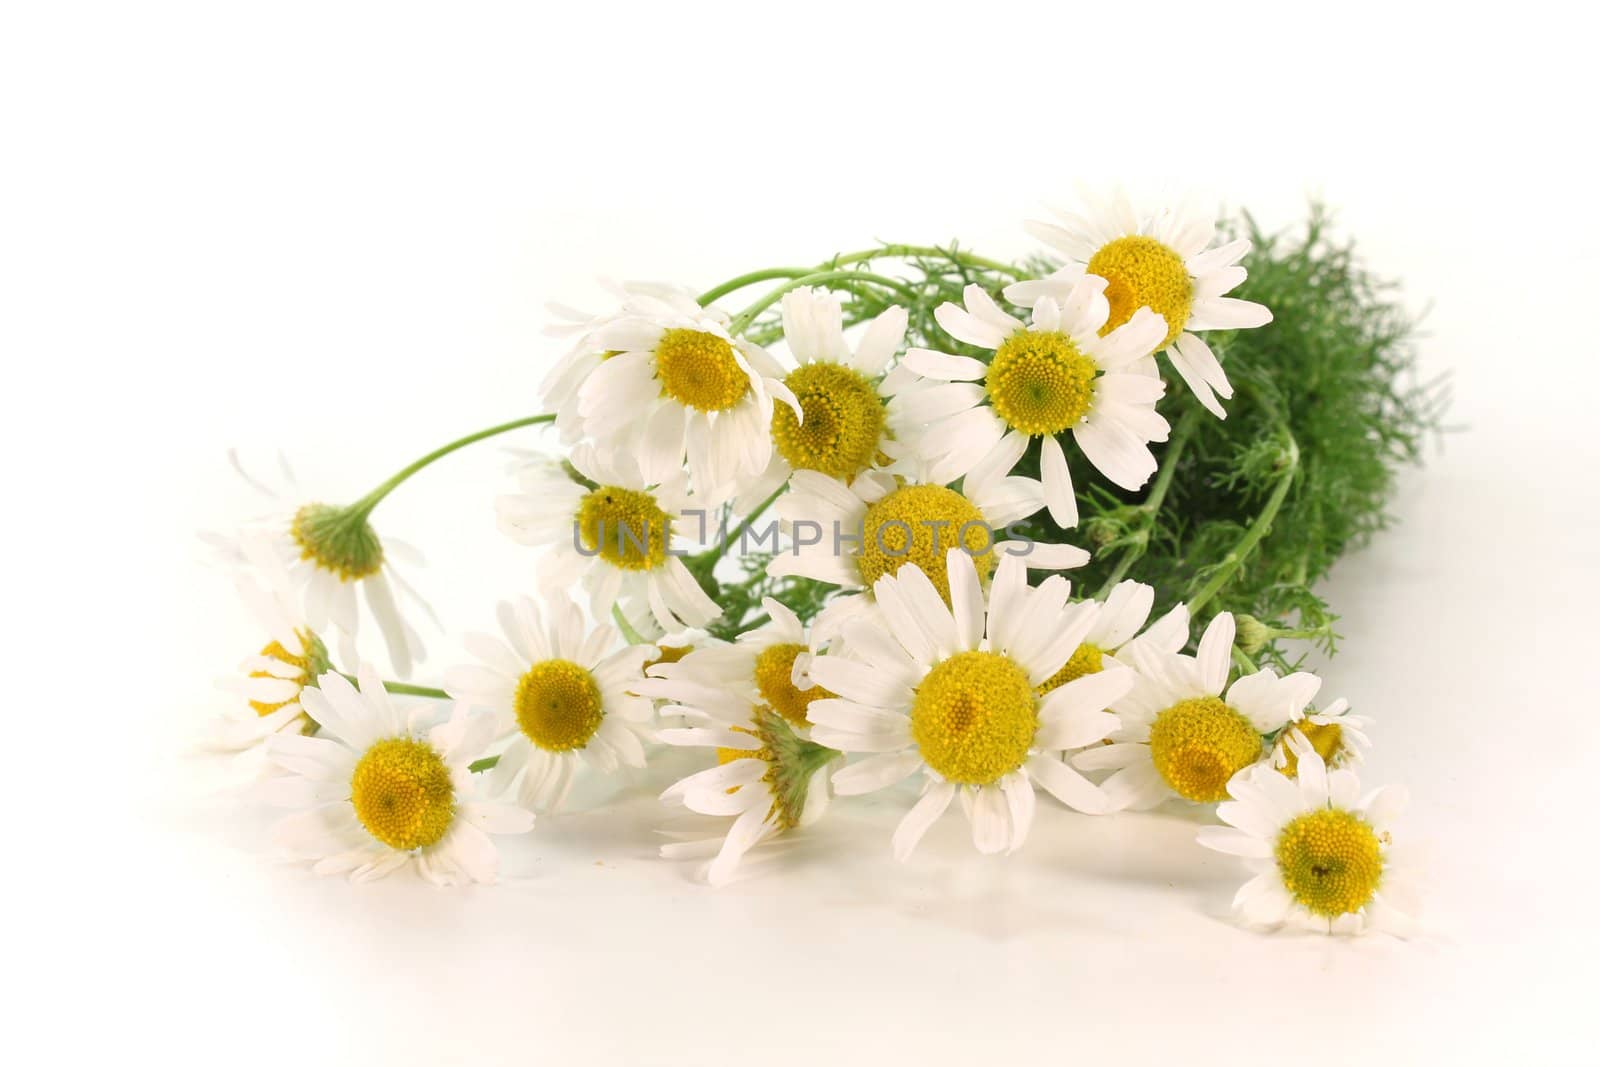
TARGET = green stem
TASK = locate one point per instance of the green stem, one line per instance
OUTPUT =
(1255, 532)
(1152, 503)
(629, 634)
(363, 507)
(478, 766)
(403, 688)
(712, 556)
(748, 315)
(954, 255)
(1242, 661)
(750, 278)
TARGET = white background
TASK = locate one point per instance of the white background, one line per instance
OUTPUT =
(330, 229)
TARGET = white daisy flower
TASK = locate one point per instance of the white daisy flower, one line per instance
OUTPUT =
(1117, 632)
(842, 429)
(563, 693)
(951, 691)
(559, 390)
(1063, 372)
(851, 535)
(269, 683)
(334, 560)
(767, 666)
(674, 386)
(1321, 852)
(768, 777)
(379, 790)
(619, 534)
(1185, 731)
(1337, 737)
(1160, 262)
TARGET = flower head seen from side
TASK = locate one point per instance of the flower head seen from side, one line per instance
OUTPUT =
(852, 535)
(1337, 737)
(1320, 851)
(334, 561)
(950, 691)
(377, 790)
(769, 777)
(270, 682)
(1158, 261)
(1063, 373)
(614, 526)
(677, 387)
(564, 694)
(1185, 731)
(841, 429)
(1119, 628)
(767, 666)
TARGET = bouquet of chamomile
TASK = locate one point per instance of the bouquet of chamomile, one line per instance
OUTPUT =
(997, 536)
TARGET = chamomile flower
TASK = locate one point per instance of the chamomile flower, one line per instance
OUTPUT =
(615, 531)
(950, 690)
(1337, 737)
(676, 386)
(564, 695)
(851, 535)
(769, 778)
(379, 790)
(1185, 731)
(841, 428)
(767, 666)
(560, 388)
(270, 683)
(1064, 372)
(1321, 852)
(334, 561)
(1119, 628)
(1160, 262)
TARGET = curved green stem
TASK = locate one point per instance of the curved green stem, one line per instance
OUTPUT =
(750, 278)
(711, 556)
(748, 315)
(954, 255)
(403, 688)
(363, 507)
(629, 634)
(1257, 529)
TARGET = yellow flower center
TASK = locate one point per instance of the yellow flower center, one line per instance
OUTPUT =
(626, 527)
(1325, 738)
(1040, 383)
(698, 370)
(1086, 660)
(1199, 744)
(1143, 272)
(974, 717)
(402, 793)
(558, 705)
(842, 426)
(668, 654)
(1330, 861)
(775, 681)
(338, 541)
(919, 524)
(309, 664)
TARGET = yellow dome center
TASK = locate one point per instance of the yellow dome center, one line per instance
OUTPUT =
(1330, 861)
(1325, 739)
(626, 527)
(1143, 272)
(974, 717)
(1040, 383)
(698, 370)
(905, 525)
(1199, 744)
(402, 793)
(558, 705)
(1086, 660)
(842, 426)
(775, 681)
